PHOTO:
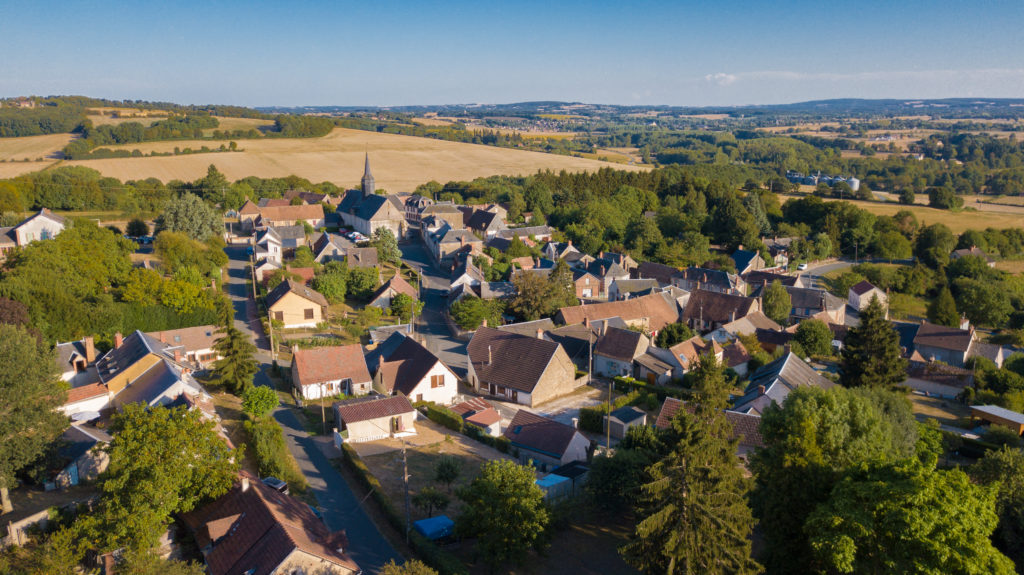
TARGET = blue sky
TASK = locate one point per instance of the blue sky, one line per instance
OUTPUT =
(394, 53)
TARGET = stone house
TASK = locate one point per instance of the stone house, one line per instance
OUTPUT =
(518, 368)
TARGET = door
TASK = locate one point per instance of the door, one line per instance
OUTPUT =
(419, 397)
(651, 378)
(494, 389)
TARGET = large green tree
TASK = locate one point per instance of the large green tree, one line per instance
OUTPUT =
(776, 303)
(1005, 468)
(30, 393)
(942, 309)
(190, 215)
(871, 353)
(236, 367)
(814, 336)
(695, 515)
(906, 518)
(162, 461)
(531, 301)
(387, 246)
(504, 509)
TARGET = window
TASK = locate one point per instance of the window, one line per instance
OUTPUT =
(309, 313)
(279, 315)
(436, 381)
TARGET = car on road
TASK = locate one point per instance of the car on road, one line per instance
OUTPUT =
(276, 484)
(802, 267)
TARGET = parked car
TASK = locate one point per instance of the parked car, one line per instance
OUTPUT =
(276, 484)
(802, 267)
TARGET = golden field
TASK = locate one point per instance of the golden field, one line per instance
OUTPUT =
(400, 163)
(33, 147)
(958, 222)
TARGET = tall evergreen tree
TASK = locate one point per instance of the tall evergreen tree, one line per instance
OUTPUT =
(942, 309)
(753, 204)
(871, 353)
(776, 302)
(695, 513)
(237, 366)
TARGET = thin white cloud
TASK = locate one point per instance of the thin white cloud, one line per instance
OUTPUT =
(721, 78)
(1002, 74)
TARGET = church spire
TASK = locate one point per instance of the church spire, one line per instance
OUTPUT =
(368, 185)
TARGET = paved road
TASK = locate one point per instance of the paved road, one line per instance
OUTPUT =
(341, 509)
(431, 322)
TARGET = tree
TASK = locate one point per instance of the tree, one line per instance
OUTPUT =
(30, 393)
(146, 562)
(447, 470)
(942, 309)
(470, 312)
(362, 282)
(672, 334)
(162, 461)
(504, 509)
(906, 518)
(213, 186)
(561, 289)
(190, 215)
(137, 228)
(332, 281)
(776, 302)
(1005, 468)
(303, 257)
(944, 198)
(871, 354)
(428, 499)
(907, 196)
(405, 306)
(257, 401)
(531, 301)
(13, 312)
(982, 304)
(695, 513)
(810, 441)
(814, 336)
(236, 367)
(933, 245)
(410, 567)
(892, 245)
(614, 482)
(387, 246)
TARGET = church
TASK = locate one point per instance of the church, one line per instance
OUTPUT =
(364, 210)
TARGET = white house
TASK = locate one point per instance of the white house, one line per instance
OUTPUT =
(402, 365)
(545, 442)
(860, 295)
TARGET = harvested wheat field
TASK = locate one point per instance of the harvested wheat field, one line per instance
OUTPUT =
(33, 147)
(400, 163)
(15, 169)
(958, 222)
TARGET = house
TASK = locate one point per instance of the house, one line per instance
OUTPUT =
(361, 257)
(307, 197)
(247, 216)
(621, 289)
(625, 261)
(485, 223)
(812, 303)
(44, 225)
(330, 370)
(654, 366)
(746, 325)
(446, 242)
(606, 271)
(387, 292)
(76, 361)
(380, 334)
(686, 354)
(522, 369)
(736, 357)
(578, 339)
(616, 349)
(708, 310)
(330, 248)
(295, 305)
(861, 294)
(82, 455)
(778, 249)
(973, 251)
(527, 233)
(623, 418)
(545, 442)
(771, 340)
(254, 529)
(302, 275)
(274, 216)
(196, 343)
(772, 382)
(275, 242)
(651, 270)
(996, 415)
(263, 269)
(402, 365)
(465, 273)
(365, 211)
(719, 281)
(478, 412)
(586, 284)
(414, 206)
(444, 212)
(758, 278)
(937, 379)
(496, 290)
(373, 418)
(557, 250)
(949, 345)
(649, 313)
(745, 426)
(747, 261)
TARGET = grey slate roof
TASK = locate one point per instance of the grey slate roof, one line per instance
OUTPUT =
(619, 344)
(540, 434)
(628, 413)
(743, 258)
(778, 379)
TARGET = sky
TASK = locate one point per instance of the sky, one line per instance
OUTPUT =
(386, 53)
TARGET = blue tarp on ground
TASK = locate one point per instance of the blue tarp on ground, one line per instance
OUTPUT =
(434, 527)
(555, 486)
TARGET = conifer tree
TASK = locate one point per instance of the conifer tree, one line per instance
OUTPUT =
(942, 310)
(871, 353)
(237, 367)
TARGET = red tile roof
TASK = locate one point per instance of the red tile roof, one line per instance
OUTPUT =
(320, 364)
(367, 408)
(84, 392)
(655, 308)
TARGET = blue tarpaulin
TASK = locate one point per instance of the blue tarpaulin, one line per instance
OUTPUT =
(434, 527)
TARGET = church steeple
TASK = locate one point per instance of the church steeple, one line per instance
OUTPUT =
(368, 185)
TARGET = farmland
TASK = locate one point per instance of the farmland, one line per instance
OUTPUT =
(32, 147)
(400, 163)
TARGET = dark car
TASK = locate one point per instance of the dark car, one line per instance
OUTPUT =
(276, 484)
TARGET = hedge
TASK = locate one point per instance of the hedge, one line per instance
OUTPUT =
(975, 448)
(662, 391)
(266, 439)
(501, 443)
(444, 416)
(444, 562)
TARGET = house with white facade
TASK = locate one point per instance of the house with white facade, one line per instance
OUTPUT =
(402, 365)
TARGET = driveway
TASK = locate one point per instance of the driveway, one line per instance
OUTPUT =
(241, 297)
(430, 323)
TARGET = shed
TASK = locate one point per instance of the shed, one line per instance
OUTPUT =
(623, 418)
(993, 414)
(434, 527)
(555, 486)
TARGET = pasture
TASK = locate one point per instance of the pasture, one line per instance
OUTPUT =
(400, 163)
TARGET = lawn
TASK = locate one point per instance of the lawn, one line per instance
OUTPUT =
(946, 411)
(1011, 266)
(903, 306)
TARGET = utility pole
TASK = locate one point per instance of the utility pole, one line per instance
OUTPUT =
(405, 479)
(323, 418)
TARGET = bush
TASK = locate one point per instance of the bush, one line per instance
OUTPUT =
(592, 418)
(629, 384)
(258, 401)
(266, 439)
(444, 416)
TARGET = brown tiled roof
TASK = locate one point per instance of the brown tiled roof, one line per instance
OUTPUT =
(716, 307)
(619, 344)
(190, 338)
(367, 408)
(406, 366)
(84, 392)
(319, 364)
(539, 434)
(307, 274)
(399, 285)
(509, 359)
(249, 208)
(735, 354)
(255, 530)
(689, 351)
(485, 418)
(292, 213)
(745, 426)
(669, 408)
(296, 288)
(472, 405)
(658, 311)
(862, 287)
(943, 337)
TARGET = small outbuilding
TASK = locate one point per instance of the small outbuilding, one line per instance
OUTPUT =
(623, 418)
(995, 415)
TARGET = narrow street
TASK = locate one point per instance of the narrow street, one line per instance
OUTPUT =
(339, 505)
(431, 322)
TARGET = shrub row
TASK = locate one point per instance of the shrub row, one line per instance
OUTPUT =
(266, 439)
(661, 391)
(443, 561)
(501, 443)
(444, 416)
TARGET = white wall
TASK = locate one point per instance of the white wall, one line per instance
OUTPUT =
(92, 404)
(440, 395)
(38, 229)
(577, 450)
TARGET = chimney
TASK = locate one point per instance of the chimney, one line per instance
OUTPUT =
(483, 323)
(295, 349)
(600, 254)
(118, 340)
(586, 322)
(163, 337)
(760, 390)
(540, 333)
(245, 483)
(732, 315)
(90, 349)
(177, 355)
(575, 423)
(490, 355)
(568, 243)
